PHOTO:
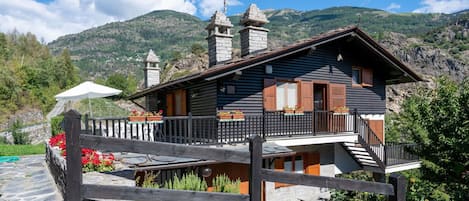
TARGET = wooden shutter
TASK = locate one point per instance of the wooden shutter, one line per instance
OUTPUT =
(279, 165)
(183, 103)
(312, 163)
(170, 104)
(270, 95)
(367, 77)
(306, 95)
(377, 126)
(337, 96)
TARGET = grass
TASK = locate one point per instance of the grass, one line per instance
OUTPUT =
(21, 150)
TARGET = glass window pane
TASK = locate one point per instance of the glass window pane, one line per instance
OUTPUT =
(287, 165)
(356, 76)
(281, 95)
(178, 102)
(292, 94)
(299, 165)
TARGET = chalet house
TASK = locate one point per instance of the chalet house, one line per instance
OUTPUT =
(322, 98)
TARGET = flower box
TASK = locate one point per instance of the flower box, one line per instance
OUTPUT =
(224, 116)
(154, 118)
(137, 118)
(289, 111)
(238, 116)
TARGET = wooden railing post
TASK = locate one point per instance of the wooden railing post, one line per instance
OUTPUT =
(189, 129)
(255, 182)
(263, 123)
(399, 183)
(355, 116)
(87, 126)
(73, 180)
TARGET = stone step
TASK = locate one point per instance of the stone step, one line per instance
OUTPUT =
(370, 164)
(364, 157)
(350, 144)
(366, 161)
(360, 153)
(356, 149)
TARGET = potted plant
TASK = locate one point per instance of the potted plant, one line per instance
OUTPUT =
(341, 110)
(136, 116)
(223, 115)
(299, 110)
(155, 116)
(288, 110)
(237, 114)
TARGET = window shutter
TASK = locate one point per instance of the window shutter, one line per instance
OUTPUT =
(170, 104)
(183, 102)
(270, 95)
(311, 163)
(306, 95)
(367, 77)
(279, 166)
(337, 96)
(377, 126)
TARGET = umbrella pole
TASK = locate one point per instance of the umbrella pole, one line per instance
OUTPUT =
(89, 107)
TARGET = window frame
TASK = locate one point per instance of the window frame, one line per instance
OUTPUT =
(360, 70)
(361, 73)
(285, 94)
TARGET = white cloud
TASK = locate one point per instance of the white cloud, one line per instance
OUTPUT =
(60, 17)
(442, 6)
(393, 6)
(208, 7)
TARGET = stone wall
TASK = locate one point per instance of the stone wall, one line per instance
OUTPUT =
(220, 48)
(57, 167)
(253, 40)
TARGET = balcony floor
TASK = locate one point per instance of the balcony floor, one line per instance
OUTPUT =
(298, 140)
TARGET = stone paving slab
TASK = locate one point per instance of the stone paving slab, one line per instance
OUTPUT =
(27, 179)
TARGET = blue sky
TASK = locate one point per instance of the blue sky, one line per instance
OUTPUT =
(49, 19)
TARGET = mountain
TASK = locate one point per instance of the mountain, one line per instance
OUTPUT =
(120, 46)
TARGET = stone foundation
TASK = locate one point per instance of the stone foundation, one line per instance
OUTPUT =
(57, 167)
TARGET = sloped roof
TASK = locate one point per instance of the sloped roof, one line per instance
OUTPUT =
(248, 61)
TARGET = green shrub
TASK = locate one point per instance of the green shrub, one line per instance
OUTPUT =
(56, 125)
(149, 180)
(18, 136)
(223, 184)
(188, 181)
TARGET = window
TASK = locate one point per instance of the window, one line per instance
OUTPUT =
(356, 76)
(301, 163)
(287, 93)
(176, 103)
(362, 77)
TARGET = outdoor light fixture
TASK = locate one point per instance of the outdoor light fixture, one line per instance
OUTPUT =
(339, 57)
(268, 69)
(206, 172)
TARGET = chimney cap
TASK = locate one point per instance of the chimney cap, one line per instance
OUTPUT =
(219, 19)
(151, 57)
(254, 16)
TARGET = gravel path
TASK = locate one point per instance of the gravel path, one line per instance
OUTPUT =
(27, 179)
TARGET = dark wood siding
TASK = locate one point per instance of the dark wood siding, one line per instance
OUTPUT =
(322, 64)
(202, 99)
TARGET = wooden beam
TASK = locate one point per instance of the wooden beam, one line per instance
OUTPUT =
(399, 183)
(255, 181)
(164, 149)
(327, 182)
(73, 179)
(135, 193)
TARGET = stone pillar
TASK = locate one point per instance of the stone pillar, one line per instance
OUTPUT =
(219, 39)
(152, 69)
(253, 35)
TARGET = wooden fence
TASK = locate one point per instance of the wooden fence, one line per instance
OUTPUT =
(76, 190)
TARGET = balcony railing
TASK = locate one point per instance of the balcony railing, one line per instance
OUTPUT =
(399, 154)
(210, 130)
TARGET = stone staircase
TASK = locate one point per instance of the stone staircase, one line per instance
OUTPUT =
(360, 154)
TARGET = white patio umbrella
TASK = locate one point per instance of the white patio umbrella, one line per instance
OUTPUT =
(87, 90)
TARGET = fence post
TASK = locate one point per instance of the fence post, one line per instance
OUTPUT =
(255, 182)
(189, 129)
(355, 115)
(399, 183)
(263, 123)
(73, 177)
(87, 127)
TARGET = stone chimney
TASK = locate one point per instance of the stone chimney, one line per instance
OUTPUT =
(219, 39)
(152, 69)
(253, 35)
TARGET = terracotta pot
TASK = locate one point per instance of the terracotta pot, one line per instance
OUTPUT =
(224, 116)
(289, 111)
(154, 118)
(238, 116)
(137, 118)
(299, 111)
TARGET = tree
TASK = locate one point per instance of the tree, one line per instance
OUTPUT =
(127, 84)
(438, 121)
(197, 49)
